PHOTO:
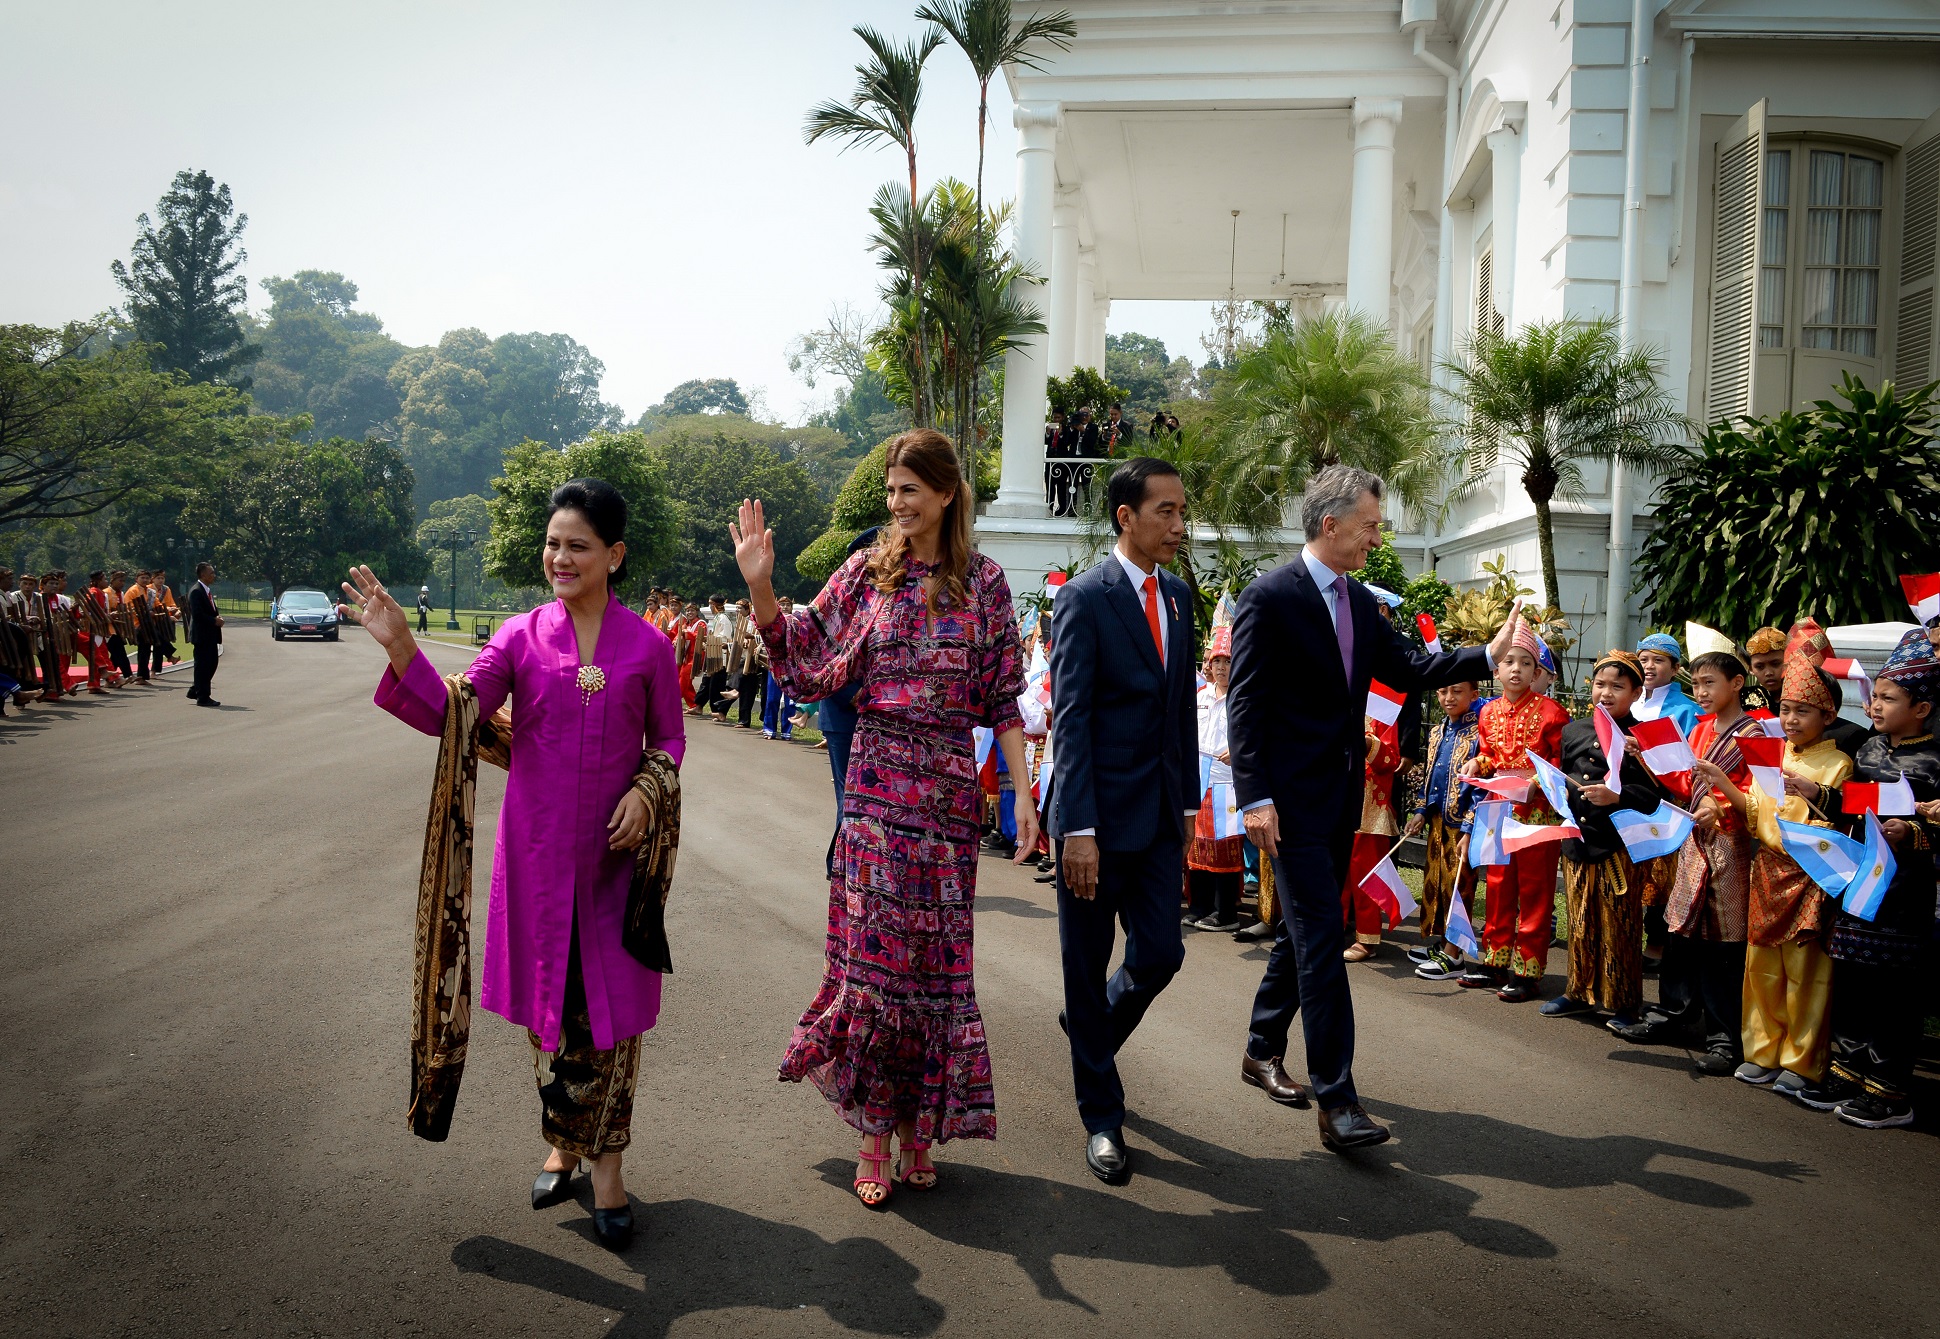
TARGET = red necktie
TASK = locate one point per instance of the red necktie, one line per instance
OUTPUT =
(1152, 613)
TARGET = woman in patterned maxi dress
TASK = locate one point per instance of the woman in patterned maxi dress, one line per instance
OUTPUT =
(893, 1038)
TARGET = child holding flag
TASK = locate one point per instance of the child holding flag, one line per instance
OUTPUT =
(1704, 957)
(1374, 837)
(1600, 885)
(1520, 915)
(1216, 854)
(1442, 812)
(1788, 977)
(1876, 982)
(1807, 638)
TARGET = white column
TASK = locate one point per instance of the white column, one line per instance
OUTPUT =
(1100, 319)
(1020, 492)
(1082, 316)
(1064, 289)
(1505, 187)
(1370, 237)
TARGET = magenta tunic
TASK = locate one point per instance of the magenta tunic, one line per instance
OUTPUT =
(573, 757)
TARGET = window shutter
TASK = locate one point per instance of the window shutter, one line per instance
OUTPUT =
(1916, 359)
(1482, 454)
(1735, 234)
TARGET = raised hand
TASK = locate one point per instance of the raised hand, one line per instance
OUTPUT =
(754, 544)
(383, 617)
(1500, 646)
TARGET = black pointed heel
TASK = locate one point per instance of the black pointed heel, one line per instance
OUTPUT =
(614, 1227)
(551, 1188)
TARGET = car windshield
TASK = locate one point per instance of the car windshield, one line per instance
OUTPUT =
(309, 601)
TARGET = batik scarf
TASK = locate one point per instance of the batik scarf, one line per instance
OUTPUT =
(441, 982)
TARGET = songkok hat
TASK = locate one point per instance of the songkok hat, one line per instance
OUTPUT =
(1806, 683)
(1624, 660)
(1385, 596)
(1525, 639)
(1808, 637)
(1913, 666)
(1703, 641)
(1764, 642)
(1222, 643)
(1663, 644)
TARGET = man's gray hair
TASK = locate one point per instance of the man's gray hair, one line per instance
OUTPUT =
(1335, 491)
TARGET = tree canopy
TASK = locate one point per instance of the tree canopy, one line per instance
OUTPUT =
(523, 499)
(185, 293)
(710, 395)
(302, 513)
(1150, 380)
(710, 465)
(324, 358)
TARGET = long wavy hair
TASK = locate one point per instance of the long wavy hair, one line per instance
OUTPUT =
(928, 455)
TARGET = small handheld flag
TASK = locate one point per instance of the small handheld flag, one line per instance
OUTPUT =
(1888, 799)
(1556, 789)
(1383, 884)
(1876, 869)
(1609, 737)
(1773, 727)
(1512, 788)
(1384, 703)
(1432, 639)
(1763, 756)
(1923, 595)
(1519, 836)
(1485, 834)
(1226, 820)
(1829, 858)
(1664, 751)
(1460, 930)
(1650, 836)
(1852, 672)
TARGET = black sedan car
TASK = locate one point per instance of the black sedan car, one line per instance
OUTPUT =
(303, 613)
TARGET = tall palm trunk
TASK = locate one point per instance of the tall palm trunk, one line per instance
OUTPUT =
(919, 384)
(967, 427)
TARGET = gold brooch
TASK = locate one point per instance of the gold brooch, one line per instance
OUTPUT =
(591, 679)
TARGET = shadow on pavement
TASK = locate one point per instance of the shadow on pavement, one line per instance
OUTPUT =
(1016, 906)
(694, 1257)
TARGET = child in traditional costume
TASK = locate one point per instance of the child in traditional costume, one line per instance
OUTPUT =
(1807, 638)
(1520, 915)
(1877, 985)
(1442, 814)
(1600, 884)
(1765, 655)
(1214, 864)
(1788, 976)
(1374, 837)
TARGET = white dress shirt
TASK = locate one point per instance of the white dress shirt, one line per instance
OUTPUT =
(1138, 576)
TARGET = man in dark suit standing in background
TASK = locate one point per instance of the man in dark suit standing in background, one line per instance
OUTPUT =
(1306, 643)
(205, 634)
(1125, 733)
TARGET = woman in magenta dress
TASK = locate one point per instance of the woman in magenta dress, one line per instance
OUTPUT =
(893, 1038)
(591, 687)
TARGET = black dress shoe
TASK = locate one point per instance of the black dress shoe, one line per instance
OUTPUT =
(207, 702)
(1064, 1023)
(550, 1188)
(1349, 1127)
(1107, 1157)
(1271, 1077)
(614, 1227)
(1045, 876)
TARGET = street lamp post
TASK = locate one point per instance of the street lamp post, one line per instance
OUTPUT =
(460, 537)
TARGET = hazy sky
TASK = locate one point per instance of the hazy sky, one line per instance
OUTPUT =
(630, 174)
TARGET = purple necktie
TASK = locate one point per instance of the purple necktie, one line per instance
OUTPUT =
(1344, 628)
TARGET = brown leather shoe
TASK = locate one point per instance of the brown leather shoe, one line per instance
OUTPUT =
(1342, 1128)
(1271, 1077)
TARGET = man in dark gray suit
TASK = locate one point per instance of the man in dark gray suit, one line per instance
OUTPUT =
(1125, 734)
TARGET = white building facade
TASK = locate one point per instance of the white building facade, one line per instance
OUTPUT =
(1752, 187)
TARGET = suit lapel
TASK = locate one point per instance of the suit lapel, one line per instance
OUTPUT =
(1129, 605)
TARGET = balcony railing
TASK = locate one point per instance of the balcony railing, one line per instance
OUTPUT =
(1068, 482)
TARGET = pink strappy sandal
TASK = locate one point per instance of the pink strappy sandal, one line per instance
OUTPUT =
(920, 1174)
(876, 1154)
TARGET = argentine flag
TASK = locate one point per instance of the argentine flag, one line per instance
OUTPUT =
(1485, 834)
(1660, 832)
(1226, 820)
(1460, 930)
(1876, 869)
(1829, 858)
(1556, 789)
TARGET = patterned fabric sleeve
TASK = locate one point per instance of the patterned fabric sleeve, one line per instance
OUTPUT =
(818, 650)
(1002, 669)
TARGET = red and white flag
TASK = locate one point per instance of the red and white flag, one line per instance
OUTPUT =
(1383, 884)
(1664, 751)
(1923, 594)
(1432, 639)
(1765, 758)
(1053, 583)
(1852, 672)
(1888, 799)
(1609, 736)
(1517, 835)
(1384, 703)
(1512, 788)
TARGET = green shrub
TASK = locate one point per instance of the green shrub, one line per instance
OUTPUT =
(819, 560)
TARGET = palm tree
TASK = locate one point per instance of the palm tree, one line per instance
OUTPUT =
(1328, 389)
(882, 110)
(1554, 395)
